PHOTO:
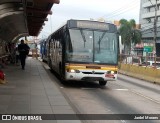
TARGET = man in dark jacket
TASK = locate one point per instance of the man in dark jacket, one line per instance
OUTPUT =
(23, 52)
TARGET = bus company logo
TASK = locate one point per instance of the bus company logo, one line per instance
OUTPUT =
(6, 117)
(93, 72)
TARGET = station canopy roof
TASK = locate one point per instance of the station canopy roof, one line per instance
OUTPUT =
(20, 18)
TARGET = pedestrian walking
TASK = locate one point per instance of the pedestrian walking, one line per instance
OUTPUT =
(23, 52)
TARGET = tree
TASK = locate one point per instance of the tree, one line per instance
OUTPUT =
(129, 33)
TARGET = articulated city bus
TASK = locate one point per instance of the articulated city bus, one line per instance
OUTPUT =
(44, 49)
(85, 50)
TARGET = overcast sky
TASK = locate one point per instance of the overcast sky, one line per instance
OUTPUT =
(85, 9)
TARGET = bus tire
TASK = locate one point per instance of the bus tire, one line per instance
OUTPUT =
(62, 78)
(102, 83)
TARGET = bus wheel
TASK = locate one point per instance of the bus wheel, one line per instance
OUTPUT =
(102, 83)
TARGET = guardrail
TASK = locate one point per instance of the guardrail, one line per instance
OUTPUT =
(144, 73)
(146, 68)
(145, 61)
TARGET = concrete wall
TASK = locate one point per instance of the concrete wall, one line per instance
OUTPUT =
(146, 73)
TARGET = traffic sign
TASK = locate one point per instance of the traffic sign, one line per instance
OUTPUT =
(148, 48)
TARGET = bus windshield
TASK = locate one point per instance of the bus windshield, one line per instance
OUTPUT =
(92, 46)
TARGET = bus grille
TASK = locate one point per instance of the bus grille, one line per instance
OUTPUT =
(92, 72)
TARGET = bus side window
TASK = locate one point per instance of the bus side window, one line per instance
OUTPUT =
(57, 44)
(60, 46)
(54, 44)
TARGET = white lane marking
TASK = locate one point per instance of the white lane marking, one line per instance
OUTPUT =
(149, 98)
(123, 121)
(121, 89)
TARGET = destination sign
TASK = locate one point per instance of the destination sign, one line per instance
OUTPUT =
(92, 25)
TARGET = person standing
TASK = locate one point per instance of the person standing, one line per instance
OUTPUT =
(23, 52)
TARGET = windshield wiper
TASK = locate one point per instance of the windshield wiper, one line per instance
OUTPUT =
(83, 36)
(100, 39)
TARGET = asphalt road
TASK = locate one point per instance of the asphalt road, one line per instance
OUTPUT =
(125, 96)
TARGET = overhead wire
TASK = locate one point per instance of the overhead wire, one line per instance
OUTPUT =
(125, 9)
(150, 24)
(122, 10)
(149, 30)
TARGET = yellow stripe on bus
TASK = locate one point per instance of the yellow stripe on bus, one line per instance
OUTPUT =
(101, 67)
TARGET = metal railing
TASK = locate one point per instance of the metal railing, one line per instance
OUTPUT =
(144, 61)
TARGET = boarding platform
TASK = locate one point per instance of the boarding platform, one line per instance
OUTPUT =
(31, 91)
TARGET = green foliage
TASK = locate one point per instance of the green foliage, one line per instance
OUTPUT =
(128, 32)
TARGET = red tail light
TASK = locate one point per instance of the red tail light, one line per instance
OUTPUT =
(1, 75)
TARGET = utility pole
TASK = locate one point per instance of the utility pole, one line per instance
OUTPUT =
(155, 34)
(155, 30)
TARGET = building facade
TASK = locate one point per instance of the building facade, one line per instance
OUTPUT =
(147, 18)
(149, 9)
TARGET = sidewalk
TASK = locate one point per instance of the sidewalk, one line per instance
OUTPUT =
(31, 91)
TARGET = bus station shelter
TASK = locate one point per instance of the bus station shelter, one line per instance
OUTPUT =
(20, 18)
(30, 91)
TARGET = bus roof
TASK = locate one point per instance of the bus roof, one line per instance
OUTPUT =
(88, 24)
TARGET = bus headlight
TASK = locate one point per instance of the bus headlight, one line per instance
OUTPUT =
(73, 71)
(111, 72)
